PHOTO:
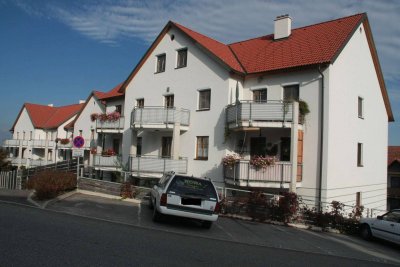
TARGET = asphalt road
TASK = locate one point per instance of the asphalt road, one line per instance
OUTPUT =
(36, 237)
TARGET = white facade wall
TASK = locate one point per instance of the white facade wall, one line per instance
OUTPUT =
(201, 73)
(351, 76)
(24, 124)
(84, 122)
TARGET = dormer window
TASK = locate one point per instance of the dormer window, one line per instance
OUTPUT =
(181, 58)
(161, 63)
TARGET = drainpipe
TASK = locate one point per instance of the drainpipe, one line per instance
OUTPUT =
(321, 148)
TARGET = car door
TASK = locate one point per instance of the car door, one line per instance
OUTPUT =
(388, 226)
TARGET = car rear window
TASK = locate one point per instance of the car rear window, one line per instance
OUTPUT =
(182, 185)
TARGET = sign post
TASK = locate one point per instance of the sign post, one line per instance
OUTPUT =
(78, 143)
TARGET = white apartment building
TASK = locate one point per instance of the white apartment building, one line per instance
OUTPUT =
(192, 101)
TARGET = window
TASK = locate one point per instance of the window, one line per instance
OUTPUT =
(140, 103)
(169, 101)
(359, 154)
(118, 108)
(161, 63)
(30, 135)
(80, 132)
(202, 148)
(291, 93)
(360, 107)
(166, 146)
(204, 99)
(182, 58)
(139, 147)
(23, 135)
(260, 95)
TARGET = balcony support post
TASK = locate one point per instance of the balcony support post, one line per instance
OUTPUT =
(133, 148)
(176, 134)
(20, 155)
(293, 146)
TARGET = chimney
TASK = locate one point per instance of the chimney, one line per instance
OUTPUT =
(82, 101)
(282, 27)
(50, 105)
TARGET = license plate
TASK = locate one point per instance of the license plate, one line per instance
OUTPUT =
(191, 201)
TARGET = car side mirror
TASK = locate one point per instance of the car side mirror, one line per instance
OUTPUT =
(379, 217)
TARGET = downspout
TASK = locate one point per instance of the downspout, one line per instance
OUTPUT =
(321, 148)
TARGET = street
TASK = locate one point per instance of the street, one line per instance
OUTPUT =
(86, 231)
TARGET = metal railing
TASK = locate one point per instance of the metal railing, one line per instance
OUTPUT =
(272, 111)
(110, 125)
(11, 142)
(107, 161)
(242, 170)
(159, 115)
(154, 164)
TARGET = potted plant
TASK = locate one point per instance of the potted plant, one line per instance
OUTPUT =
(303, 111)
(261, 162)
(64, 141)
(230, 160)
(94, 116)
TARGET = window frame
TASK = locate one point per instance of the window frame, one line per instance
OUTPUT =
(200, 92)
(360, 152)
(200, 142)
(291, 86)
(360, 107)
(178, 66)
(158, 68)
(258, 93)
(167, 100)
(140, 102)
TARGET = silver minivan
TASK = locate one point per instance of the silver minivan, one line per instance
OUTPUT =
(185, 196)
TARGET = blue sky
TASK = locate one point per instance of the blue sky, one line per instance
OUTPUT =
(58, 51)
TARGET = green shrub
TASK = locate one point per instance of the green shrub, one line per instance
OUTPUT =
(49, 184)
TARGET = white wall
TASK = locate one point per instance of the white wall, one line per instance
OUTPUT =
(84, 122)
(24, 124)
(201, 73)
(353, 75)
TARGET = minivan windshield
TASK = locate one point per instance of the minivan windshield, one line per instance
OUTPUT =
(182, 185)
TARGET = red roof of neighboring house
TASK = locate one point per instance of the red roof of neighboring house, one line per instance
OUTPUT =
(110, 94)
(47, 117)
(393, 154)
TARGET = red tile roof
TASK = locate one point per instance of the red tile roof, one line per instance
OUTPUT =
(110, 94)
(46, 117)
(315, 44)
(218, 49)
(393, 154)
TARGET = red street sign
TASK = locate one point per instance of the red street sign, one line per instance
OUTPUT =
(78, 142)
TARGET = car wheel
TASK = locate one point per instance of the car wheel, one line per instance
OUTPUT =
(366, 232)
(206, 224)
(157, 216)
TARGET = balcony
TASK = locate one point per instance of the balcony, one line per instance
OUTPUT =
(107, 162)
(110, 126)
(160, 118)
(259, 114)
(15, 143)
(275, 176)
(148, 165)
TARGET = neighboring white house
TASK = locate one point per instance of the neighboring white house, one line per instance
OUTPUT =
(194, 100)
(36, 133)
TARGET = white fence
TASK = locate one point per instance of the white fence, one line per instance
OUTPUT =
(10, 180)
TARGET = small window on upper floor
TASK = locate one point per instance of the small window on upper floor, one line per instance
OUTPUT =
(181, 58)
(260, 95)
(140, 103)
(80, 132)
(204, 99)
(291, 93)
(118, 108)
(360, 155)
(361, 107)
(161, 63)
(169, 101)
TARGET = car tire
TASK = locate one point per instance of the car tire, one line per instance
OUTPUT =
(366, 232)
(206, 224)
(157, 216)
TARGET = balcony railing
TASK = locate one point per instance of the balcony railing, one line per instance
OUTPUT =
(110, 125)
(148, 164)
(280, 172)
(250, 111)
(107, 161)
(159, 116)
(15, 143)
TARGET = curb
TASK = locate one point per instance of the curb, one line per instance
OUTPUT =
(43, 205)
